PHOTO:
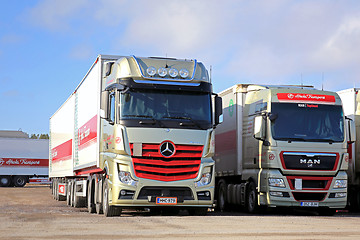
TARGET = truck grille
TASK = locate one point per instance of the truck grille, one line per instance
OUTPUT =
(309, 161)
(184, 164)
(311, 183)
(299, 196)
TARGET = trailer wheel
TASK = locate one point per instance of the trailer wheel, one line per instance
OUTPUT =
(91, 197)
(251, 199)
(19, 181)
(5, 181)
(109, 211)
(222, 194)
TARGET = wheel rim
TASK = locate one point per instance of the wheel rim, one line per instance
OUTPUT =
(20, 181)
(4, 181)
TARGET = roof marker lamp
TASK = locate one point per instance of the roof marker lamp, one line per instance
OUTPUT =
(184, 73)
(162, 72)
(151, 71)
(173, 72)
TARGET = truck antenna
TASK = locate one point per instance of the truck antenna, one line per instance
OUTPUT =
(210, 73)
(322, 83)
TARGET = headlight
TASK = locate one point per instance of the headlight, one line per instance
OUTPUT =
(276, 182)
(125, 177)
(184, 73)
(340, 184)
(173, 72)
(205, 180)
(151, 71)
(162, 72)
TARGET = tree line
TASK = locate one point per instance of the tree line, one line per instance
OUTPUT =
(39, 136)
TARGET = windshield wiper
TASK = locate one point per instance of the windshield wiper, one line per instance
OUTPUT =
(151, 120)
(290, 139)
(191, 123)
(321, 140)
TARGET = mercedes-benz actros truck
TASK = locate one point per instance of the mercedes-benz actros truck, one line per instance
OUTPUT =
(136, 133)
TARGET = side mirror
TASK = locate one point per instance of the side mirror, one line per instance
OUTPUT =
(351, 130)
(218, 109)
(259, 128)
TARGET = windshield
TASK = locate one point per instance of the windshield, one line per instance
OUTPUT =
(190, 109)
(307, 122)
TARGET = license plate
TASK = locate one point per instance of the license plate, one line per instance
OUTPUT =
(166, 200)
(309, 204)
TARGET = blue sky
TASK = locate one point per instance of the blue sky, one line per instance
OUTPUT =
(46, 47)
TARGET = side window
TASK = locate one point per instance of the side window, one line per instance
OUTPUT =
(112, 108)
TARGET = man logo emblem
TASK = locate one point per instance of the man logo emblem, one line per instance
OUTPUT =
(167, 149)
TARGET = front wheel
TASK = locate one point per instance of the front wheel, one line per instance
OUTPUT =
(221, 198)
(109, 211)
(251, 199)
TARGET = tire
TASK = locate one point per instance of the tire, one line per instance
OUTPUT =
(90, 197)
(5, 181)
(251, 199)
(202, 211)
(19, 181)
(222, 196)
(99, 205)
(109, 211)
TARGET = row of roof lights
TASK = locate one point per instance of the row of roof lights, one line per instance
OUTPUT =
(162, 72)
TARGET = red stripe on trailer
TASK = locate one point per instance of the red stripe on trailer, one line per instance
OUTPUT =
(62, 152)
(87, 134)
(304, 97)
(88, 171)
(23, 162)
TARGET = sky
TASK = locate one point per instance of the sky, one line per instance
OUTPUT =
(47, 46)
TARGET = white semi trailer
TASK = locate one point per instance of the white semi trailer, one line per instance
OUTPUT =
(281, 146)
(22, 159)
(136, 133)
(351, 104)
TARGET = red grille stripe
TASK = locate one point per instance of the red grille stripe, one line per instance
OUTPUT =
(166, 178)
(167, 170)
(165, 163)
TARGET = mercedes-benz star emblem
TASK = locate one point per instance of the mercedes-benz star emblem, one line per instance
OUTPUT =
(167, 149)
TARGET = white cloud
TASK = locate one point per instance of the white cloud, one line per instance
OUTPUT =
(56, 15)
(253, 40)
(82, 52)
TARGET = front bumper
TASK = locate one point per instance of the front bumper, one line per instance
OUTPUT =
(314, 191)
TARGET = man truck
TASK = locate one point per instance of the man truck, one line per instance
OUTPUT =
(281, 146)
(351, 104)
(22, 160)
(136, 133)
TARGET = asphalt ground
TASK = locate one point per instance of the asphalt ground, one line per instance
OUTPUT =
(31, 213)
